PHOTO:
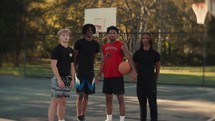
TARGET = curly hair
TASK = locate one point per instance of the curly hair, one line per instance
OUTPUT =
(87, 26)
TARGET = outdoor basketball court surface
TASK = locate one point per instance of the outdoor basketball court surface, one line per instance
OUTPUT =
(27, 99)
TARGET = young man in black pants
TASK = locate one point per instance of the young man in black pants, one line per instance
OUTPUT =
(147, 62)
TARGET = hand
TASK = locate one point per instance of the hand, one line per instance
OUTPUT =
(97, 79)
(72, 84)
(60, 84)
(133, 76)
(156, 78)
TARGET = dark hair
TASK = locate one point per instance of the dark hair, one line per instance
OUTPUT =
(86, 26)
(150, 40)
(112, 28)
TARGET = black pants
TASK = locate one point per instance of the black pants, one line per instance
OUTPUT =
(147, 91)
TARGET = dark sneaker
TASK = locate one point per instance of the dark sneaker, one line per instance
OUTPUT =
(81, 118)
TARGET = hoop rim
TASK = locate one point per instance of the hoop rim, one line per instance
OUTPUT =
(199, 3)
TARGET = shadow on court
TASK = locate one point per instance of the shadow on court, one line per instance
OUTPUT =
(27, 99)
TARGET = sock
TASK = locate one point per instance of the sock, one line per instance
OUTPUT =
(122, 118)
(61, 120)
(109, 117)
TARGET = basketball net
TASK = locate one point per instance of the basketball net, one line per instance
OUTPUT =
(201, 10)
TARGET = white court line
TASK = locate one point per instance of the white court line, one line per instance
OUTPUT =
(2, 119)
(211, 119)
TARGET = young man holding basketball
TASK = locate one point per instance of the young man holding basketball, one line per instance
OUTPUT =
(113, 53)
(147, 62)
(63, 80)
(85, 53)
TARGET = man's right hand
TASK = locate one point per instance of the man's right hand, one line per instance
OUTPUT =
(60, 84)
(97, 79)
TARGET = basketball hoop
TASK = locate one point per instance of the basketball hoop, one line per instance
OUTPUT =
(98, 30)
(200, 10)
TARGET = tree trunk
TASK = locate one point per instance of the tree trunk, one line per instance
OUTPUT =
(20, 31)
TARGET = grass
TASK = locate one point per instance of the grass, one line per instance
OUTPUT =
(187, 75)
(28, 70)
(11, 70)
(39, 70)
(168, 75)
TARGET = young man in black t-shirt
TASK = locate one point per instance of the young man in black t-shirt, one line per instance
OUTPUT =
(147, 62)
(63, 79)
(85, 53)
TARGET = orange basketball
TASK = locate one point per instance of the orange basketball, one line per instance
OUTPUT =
(124, 68)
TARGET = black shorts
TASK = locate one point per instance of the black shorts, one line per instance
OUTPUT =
(85, 83)
(113, 85)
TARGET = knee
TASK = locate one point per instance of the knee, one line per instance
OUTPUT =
(121, 100)
(54, 103)
(86, 97)
(63, 101)
(108, 99)
(80, 96)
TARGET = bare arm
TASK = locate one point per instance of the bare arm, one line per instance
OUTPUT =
(56, 73)
(100, 70)
(75, 57)
(72, 74)
(94, 57)
(130, 60)
(136, 66)
(157, 69)
(72, 71)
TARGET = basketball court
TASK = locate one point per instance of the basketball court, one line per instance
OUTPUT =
(27, 99)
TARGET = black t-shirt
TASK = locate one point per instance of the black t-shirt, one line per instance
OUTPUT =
(85, 58)
(64, 57)
(146, 62)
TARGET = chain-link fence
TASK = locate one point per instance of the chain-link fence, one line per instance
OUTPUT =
(186, 58)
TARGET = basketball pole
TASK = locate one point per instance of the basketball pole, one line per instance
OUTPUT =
(204, 54)
(25, 52)
(201, 10)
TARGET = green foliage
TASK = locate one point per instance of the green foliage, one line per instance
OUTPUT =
(29, 27)
(8, 26)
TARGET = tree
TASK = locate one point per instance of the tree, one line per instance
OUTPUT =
(12, 24)
(32, 26)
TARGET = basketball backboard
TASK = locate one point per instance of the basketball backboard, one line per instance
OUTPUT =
(101, 18)
(211, 6)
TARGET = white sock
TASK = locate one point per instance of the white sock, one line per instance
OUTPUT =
(62, 120)
(122, 118)
(109, 117)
